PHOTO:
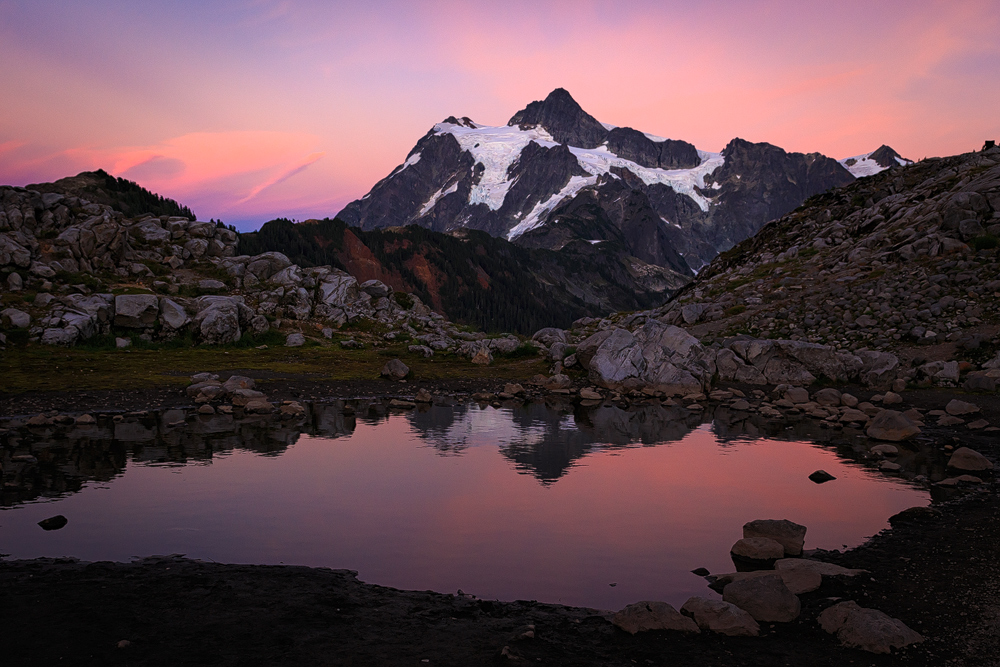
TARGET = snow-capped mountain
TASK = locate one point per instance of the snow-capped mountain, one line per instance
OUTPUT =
(872, 163)
(555, 175)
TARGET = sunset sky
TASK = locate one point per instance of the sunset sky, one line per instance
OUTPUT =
(247, 111)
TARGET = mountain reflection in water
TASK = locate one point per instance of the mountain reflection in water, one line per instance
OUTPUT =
(549, 501)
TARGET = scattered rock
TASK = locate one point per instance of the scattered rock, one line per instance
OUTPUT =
(884, 450)
(258, 406)
(53, 522)
(423, 396)
(85, 420)
(401, 404)
(722, 617)
(644, 616)
(483, 357)
(295, 340)
(395, 369)
(206, 410)
(866, 629)
(964, 458)
(956, 407)
(766, 598)
(892, 426)
(821, 476)
(122, 343)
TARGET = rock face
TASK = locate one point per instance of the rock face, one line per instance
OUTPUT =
(663, 357)
(892, 426)
(766, 598)
(645, 616)
(721, 617)
(866, 629)
(788, 534)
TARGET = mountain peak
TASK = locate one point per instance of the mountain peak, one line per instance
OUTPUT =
(886, 157)
(562, 117)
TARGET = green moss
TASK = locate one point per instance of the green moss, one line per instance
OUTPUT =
(735, 310)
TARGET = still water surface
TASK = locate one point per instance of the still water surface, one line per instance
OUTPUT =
(523, 502)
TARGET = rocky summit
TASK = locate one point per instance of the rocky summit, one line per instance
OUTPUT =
(555, 177)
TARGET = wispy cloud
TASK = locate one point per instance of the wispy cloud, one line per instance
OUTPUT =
(283, 176)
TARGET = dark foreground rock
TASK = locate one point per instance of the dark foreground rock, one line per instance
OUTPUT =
(935, 571)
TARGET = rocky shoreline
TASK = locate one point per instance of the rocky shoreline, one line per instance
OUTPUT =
(934, 570)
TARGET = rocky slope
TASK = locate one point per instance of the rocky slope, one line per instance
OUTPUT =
(891, 281)
(555, 174)
(474, 278)
(71, 269)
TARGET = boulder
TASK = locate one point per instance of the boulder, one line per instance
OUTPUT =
(644, 616)
(884, 450)
(798, 581)
(797, 395)
(14, 318)
(395, 369)
(587, 348)
(122, 343)
(828, 397)
(817, 566)
(136, 311)
(423, 396)
(766, 598)
(338, 289)
(258, 406)
(956, 407)
(172, 315)
(866, 629)
(964, 458)
(376, 289)
(14, 282)
(242, 397)
(760, 549)
(218, 319)
(549, 335)
(892, 426)
(483, 357)
(618, 358)
(238, 382)
(295, 340)
(721, 617)
(790, 535)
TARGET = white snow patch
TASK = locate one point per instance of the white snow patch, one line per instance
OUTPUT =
(653, 137)
(434, 198)
(534, 219)
(609, 126)
(496, 148)
(600, 160)
(410, 161)
(674, 224)
(595, 241)
(863, 166)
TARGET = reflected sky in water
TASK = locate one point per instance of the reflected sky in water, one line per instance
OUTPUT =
(552, 503)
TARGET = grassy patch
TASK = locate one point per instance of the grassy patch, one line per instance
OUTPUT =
(42, 368)
(735, 310)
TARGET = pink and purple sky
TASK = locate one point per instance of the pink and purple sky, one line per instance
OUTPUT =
(247, 111)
